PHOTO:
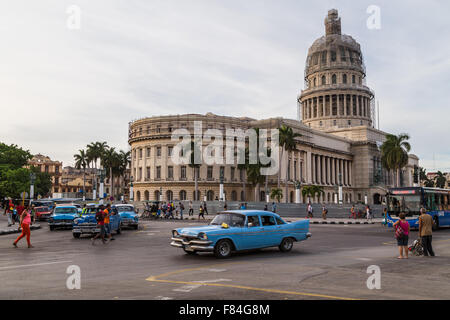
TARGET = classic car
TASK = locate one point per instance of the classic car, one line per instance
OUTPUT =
(128, 215)
(42, 213)
(87, 224)
(238, 230)
(62, 217)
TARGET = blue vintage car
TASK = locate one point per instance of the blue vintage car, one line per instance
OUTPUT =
(128, 215)
(240, 230)
(62, 217)
(87, 224)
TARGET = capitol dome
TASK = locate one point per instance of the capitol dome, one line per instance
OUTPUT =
(335, 93)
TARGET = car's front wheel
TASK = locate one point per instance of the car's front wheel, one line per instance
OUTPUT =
(76, 235)
(286, 245)
(223, 249)
(52, 228)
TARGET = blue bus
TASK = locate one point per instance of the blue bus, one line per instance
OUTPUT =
(410, 200)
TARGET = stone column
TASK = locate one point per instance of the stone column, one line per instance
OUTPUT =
(345, 105)
(308, 167)
(328, 171)
(338, 105)
(344, 173)
(357, 106)
(350, 172)
(323, 106)
(332, 171)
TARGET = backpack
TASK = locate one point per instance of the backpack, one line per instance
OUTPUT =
(182, 206)
(399, 231)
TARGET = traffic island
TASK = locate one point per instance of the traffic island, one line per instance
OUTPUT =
(11, 230)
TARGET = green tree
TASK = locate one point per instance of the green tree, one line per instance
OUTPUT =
(440, 180)
(312, 191)
(288, 144)
(394, 153)
(81, 162)
(276, 193)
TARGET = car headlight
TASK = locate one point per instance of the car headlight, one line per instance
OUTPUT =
(203, 236)
(175, 233)
(76, 221)
(50, 219)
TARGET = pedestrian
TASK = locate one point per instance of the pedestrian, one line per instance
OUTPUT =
(402, 234)
(368, 213)
(107, 216)
(201, 212)
(100, 217)
(242, 206)
(191, 208)
(324, 212)
(309, 210)
(425, 232)
(225, 206)
(10, 214)
(33, 214)
(265, 207)
(181, 210)
(353, 212)
(205, 209)
(385, 216)
(25, 221)
(274, 207)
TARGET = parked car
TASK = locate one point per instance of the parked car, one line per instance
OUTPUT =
(87, 224)
(127, 214)
(62, 217)
(238, 230)
(42, 213)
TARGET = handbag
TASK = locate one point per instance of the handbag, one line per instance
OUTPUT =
(399, 231)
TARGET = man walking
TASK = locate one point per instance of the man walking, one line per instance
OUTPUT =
(205, 209)
(368, 213)
(100, 217)
(324, 212)
(191, 208)
(310, 210)
(107, 215)
(425, 232)
(181, 210)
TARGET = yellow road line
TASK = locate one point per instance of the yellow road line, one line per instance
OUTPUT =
(156, 279)
(253, 289)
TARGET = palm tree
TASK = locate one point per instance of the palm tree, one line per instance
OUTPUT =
(276, 193)
(111, 161)
(195, 166)
(312, 191)
(81, 161)
(287, 142)
(394, 153)
(124, 163)
(440, 180)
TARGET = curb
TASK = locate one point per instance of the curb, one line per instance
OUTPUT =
(5, 232)
(342, 222)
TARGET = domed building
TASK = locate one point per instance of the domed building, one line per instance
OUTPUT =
(338, 146)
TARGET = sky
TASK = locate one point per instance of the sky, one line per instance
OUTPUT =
(62, 88)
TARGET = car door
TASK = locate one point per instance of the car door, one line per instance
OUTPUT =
(252, 233)
(271, 232)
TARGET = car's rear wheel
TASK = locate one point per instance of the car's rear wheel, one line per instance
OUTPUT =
(286, 245)
(76, 235)
(52, 228)
(223, 249)
(136, 227)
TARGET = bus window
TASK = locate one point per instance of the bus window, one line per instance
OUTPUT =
(445, 202)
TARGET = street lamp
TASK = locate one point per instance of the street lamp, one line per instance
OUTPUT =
(32, 180)
(131, 189)
(160, 194)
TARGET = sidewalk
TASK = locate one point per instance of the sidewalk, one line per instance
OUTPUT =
(4, 229)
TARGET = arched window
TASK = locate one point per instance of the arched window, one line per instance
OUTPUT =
(324, 80)
(344, 78)
(210, 195)
(196, 198)
(233, 195)
(315, 84)
(146, 195)
(138, 196)
(291, 196)
(169, 195)
(157, 195)
(333, 79)
(183, 195)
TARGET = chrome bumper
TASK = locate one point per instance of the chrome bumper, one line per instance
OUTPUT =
(308, 235)
(192, 245)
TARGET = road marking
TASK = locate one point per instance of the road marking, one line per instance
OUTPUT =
(163, 298)
(33, 265)
(189, 288)
(364, 259)
(192, 283)
(216, 270)
(255, 289)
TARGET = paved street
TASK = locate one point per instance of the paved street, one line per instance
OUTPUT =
(141, 265)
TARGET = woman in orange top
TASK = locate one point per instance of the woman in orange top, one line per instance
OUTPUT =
(25, 221)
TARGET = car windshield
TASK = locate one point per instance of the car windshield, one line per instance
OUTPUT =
(91, 210)
(43, 209)
(124, 208)
(70, 210)
(232, 219)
